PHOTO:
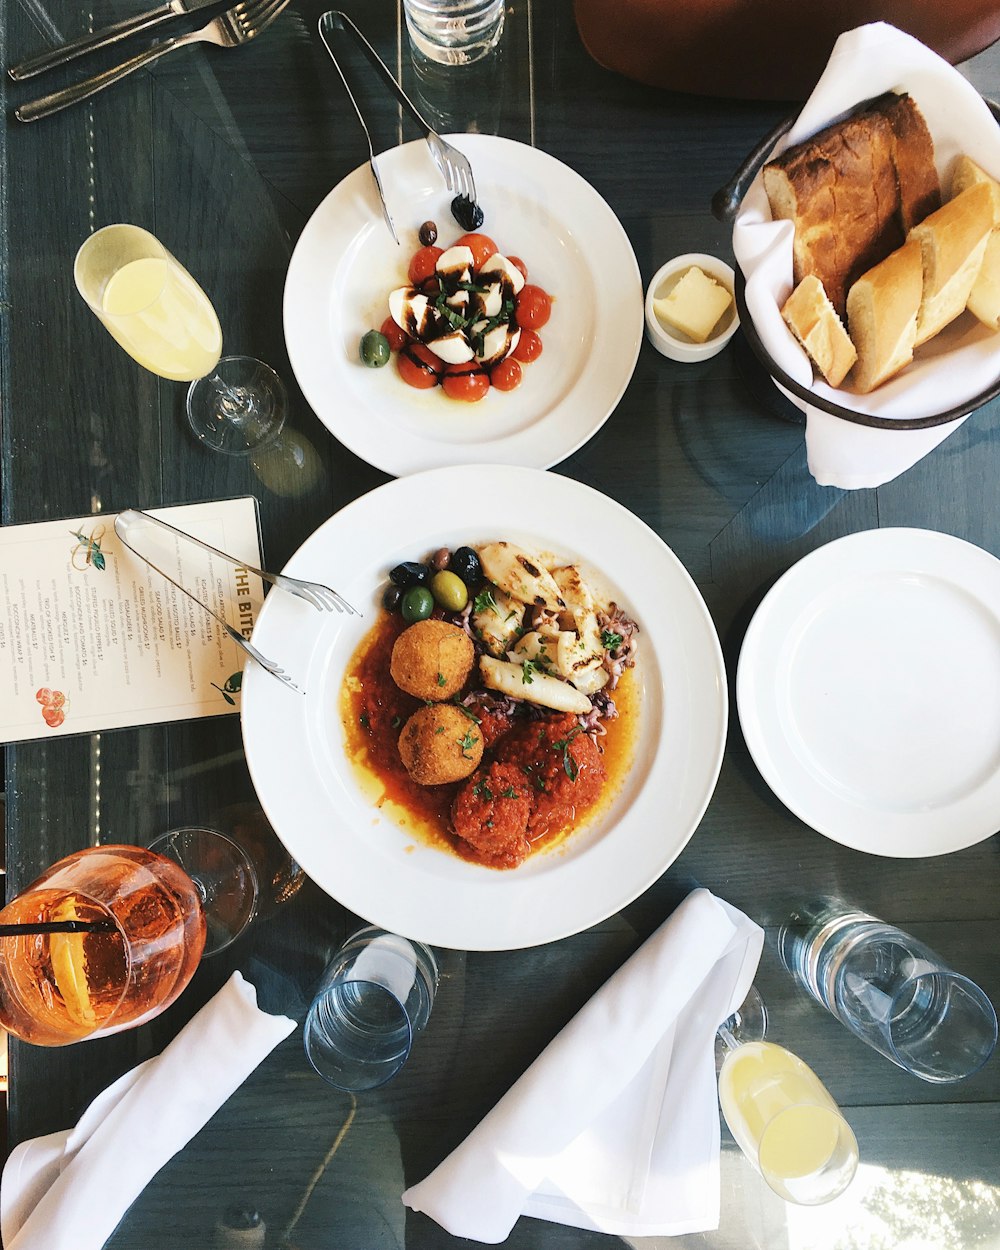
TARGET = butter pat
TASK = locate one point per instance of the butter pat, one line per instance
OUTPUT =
(694, 306)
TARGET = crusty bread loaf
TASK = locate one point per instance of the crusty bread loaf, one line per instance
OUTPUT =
(912, 159)
(984, 299)
(952, 242)
(840, 190)
(966, 173)
(882, 308)
(814, 322)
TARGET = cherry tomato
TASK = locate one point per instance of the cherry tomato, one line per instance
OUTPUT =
(529, 347)
(396, 335)
(422, 264)
(532, 307)
(53, 716)
(418, 366)
(518, 263)
(44, 696)
(506, 375)
(468, 381)
(58, 699)
(482, 247)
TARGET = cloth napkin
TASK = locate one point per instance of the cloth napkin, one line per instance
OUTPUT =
(69, 1190)
(615, 1126)
(865, 63)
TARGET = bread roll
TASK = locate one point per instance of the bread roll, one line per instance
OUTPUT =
(882, 308)
(814, 322)
(966, 173)
(952, 242)
(984, 299)
(912, 158)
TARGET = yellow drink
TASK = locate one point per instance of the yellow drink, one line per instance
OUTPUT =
(149, 303)
(784, 1120)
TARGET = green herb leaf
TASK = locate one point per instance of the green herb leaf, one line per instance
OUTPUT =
(527, 668)
(481, 790)
(440, 679)
(467, 712)
(363, 720)
(611, 641)
(484, 601)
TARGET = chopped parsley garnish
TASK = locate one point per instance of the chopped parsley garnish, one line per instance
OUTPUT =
(467, 711)
(537, 781)
(484, 601)
(467, 743)
(440, 679)
(527, 668)
(363, 721)
(397, 721)
(570, 766)
(440, 729)
(481, 790)
(611, 641)
(508, 793)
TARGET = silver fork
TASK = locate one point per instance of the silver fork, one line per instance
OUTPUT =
(237, 26)
(453, 165)
(321, 597)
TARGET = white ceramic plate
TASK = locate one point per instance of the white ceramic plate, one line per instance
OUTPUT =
(869, 691)
(345, 264)
(295, 744)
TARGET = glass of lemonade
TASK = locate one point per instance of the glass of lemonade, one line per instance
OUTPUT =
(785, 1121)
(149, 303)
(155, 310)
(57, 988)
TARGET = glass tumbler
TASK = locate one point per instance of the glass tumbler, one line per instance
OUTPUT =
(373, 1000)
(454, 32)
(893, 992)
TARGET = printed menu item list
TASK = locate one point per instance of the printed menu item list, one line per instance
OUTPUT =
(92, 637)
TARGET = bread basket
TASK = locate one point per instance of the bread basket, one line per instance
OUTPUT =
(725, 206)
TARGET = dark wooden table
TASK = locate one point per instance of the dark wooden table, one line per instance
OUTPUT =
(224, 157)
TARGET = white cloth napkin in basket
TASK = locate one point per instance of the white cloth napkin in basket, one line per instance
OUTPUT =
(616, 1125)
(866, 63)
(69, 1190)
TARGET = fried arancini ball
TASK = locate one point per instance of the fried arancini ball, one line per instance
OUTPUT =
(431, 660)
(439, 744)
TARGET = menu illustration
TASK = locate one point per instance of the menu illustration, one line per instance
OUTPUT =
(93, 637)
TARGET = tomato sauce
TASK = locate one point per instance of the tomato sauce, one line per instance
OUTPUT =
(569, 776)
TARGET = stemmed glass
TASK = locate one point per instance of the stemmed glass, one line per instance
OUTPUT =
(152, 307)
(132, 932)
(780, 1113)
(222, 873)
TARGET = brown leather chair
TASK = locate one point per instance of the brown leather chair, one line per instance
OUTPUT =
(762, 49)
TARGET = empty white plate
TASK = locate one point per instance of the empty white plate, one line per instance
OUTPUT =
(868, 691)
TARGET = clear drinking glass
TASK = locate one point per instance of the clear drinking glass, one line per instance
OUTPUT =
(781, 1115)
(454, 32)
(373, 1000)
(152, 307)
(57, 988)
(224, 876)
(892, 991)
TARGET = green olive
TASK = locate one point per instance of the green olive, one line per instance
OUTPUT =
(375, 350)
(417, 604)
(449, 590)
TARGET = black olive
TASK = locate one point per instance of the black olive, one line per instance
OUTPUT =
(428, 233)
(391, 598)
(409, 573)
(466, 212)
(465, 562)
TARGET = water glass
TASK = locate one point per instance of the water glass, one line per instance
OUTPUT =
(892, 991)
(454, 32)
(373, 1000)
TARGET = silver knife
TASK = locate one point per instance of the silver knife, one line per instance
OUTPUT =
(102, 38)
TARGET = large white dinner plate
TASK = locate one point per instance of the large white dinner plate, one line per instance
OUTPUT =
(345, 264)
(868, 691)
(295, 744)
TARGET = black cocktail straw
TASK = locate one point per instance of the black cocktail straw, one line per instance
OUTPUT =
(58, 926)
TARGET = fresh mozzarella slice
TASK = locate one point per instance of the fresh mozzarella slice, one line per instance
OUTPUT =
(489, 303)
(459, 300)
(498, 343)
(500, 264)
(408, 307)
(453, 261)
(452, 348)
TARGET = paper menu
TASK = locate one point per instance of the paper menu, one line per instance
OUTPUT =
(92, 637)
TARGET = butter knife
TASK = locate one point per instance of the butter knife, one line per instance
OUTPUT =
(103, 38)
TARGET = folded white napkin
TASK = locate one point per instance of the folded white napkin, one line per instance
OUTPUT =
(69, 1190)
(865, 63)
(615, 1126)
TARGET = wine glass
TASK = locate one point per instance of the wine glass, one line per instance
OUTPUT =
(224, 876)
(780, 1113)
(140, 934)
(152, 307)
